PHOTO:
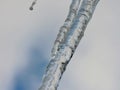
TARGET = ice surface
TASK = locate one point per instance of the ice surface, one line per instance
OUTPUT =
(67, 40)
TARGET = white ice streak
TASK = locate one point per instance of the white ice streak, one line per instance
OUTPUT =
(63, 55)
(66, 26)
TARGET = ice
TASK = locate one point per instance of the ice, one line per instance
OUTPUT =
(67, 41)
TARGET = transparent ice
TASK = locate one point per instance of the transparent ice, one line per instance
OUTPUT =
(67, 41)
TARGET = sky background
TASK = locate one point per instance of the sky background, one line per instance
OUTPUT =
(26, 39)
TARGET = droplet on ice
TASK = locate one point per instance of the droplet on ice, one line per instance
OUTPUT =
(31, 8)
(33, 3)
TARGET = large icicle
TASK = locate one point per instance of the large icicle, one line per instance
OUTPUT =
(58, 63)
(66, 26)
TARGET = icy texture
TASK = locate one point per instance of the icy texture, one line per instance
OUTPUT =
(66, 27)
(63, 54)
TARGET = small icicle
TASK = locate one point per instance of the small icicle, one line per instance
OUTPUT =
(33, 3)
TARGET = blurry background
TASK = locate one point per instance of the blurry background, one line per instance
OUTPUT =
(26, 39)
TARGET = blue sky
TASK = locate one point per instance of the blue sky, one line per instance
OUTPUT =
(26, 39)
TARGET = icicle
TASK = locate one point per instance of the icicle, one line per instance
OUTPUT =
(58, 64)
(73, 10)
(33, 3)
